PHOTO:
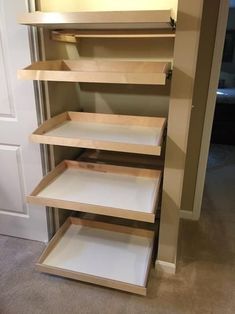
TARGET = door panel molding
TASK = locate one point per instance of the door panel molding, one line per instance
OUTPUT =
(7, 109)
(12, 179)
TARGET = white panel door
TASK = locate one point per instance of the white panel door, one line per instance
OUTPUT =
(20, 161)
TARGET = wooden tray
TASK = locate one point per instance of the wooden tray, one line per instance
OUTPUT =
(131, 134)
(113, 256)
(99, 20)
(123, 192)
(98, 71)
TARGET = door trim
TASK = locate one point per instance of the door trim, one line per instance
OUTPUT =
(210, 109)
(40, 110)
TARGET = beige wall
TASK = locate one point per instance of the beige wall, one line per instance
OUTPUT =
(123, 99)
(107, 5)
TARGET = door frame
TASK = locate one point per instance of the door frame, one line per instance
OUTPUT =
(210, 110)
(34, 44)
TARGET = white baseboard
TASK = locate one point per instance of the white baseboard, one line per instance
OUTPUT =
(165, 267)
(185, 214)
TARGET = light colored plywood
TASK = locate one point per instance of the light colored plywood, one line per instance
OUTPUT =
(98, 71)
(113, 256)
(99, 20)
(124, 192)
(73, 36)
(103, 131)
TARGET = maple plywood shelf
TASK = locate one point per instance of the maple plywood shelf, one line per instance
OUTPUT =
(98, 71)
(133, 134)
(147, 19)
(113, 256)
(124, 192)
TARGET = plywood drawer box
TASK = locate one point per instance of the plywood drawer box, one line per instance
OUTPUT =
(110, 255)
(133, 134)
(123, 192)
(98, 71)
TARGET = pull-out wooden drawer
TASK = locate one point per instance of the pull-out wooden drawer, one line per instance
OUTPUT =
(98, 71)
(133, 134)
(113, 256)
(124, 192)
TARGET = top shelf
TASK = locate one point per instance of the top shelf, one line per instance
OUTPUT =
(148, 19)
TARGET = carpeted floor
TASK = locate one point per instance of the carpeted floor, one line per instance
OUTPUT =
(204, 283)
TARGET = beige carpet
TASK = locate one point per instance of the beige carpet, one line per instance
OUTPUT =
(205, 281)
